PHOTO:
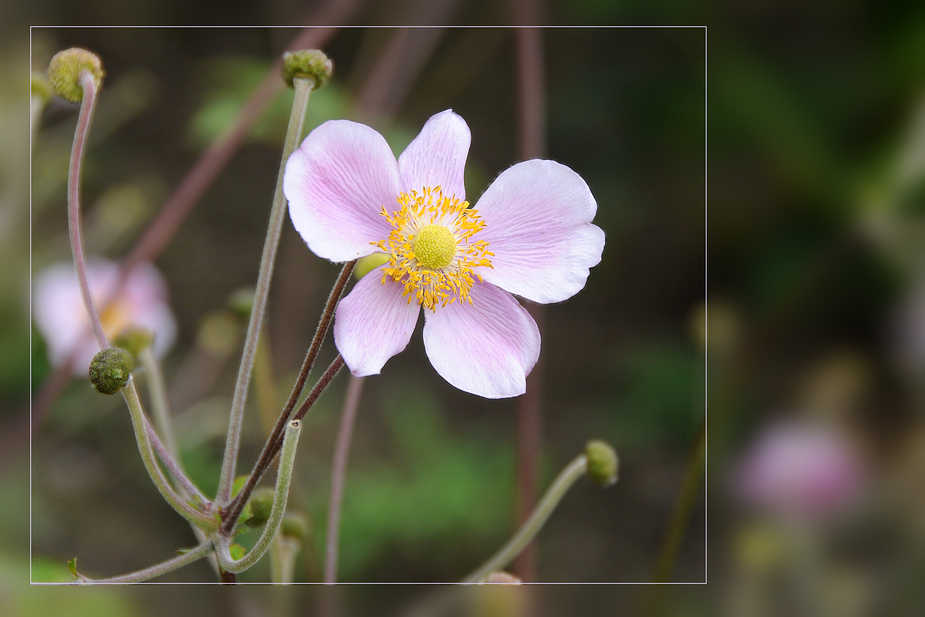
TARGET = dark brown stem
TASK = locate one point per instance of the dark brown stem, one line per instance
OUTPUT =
(320, 332)
(232, 512)
(228, 578)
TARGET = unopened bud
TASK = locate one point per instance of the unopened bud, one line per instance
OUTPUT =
(260, 504)
(65, 68)
(294, 526)
(110, 370)
(134, 340)
(241, 302)
(40, 87)
(367, 264)
(307, 64)
(602, 462)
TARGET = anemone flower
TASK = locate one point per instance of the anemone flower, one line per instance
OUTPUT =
(62, 320)
(800, 470)
(530, 234)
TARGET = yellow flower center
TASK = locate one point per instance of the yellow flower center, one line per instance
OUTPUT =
(435, 246)
(431, 249)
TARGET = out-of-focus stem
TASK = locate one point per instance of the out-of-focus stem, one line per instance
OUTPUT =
(534, 523)
(532, 119)
(303, 89)
(280, 496)
(159, 405)
(84, 119)
(338, 474)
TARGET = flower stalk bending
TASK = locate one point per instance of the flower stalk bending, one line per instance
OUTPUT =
(280, 496)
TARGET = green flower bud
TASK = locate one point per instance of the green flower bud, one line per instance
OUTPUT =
(602, 462)
(260, 503)
(40, 87)
(134, 340)
(309, 64)
(367, 264)
(65, 68)
(295, 526)
(110, 370)
(241, 302)
(219, 333)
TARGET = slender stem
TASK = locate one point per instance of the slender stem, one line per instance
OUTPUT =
(280, 496)
(130, 394)
(84, 119)
(532, 119)
(272, 448)
(682, 509)
(283, 553)
(170, 565)
(338, 473)
(159, 404)
(303, 89)
(184, 484)
(529, 529)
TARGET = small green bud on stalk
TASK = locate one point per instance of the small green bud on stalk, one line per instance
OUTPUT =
(602, 462)
(65, 68)
(294, 526)
(367, 264)
(110, 370)
(134, 340)
(261, 504)
(307, 64)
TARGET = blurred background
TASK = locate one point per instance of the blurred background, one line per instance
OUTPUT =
(816, 447)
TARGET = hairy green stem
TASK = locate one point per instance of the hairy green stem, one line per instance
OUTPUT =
(170, 565)
(280, 497)
(303, 88)
(139, 423)
(535, 522)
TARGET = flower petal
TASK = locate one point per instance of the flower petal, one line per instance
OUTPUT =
(538, 225)
(373, 323)
(487, 348)
(437, 156)
(337, 182)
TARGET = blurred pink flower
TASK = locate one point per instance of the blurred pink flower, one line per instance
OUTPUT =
(61, 318)
(800, 470)
(530, 234)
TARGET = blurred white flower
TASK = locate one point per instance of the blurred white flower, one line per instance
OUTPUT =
(802, 470)
(60, 316)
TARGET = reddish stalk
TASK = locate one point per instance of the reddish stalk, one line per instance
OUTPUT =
(338, 474)
(532, 114)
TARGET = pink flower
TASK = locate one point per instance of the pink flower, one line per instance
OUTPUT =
(61, 318)
(530, 234)
(805, 471)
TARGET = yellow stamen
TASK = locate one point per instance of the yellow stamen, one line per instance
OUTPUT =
(430, 247)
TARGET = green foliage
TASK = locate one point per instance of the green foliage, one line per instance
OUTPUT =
(231, 80)
(443, 488)
(662, 394)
